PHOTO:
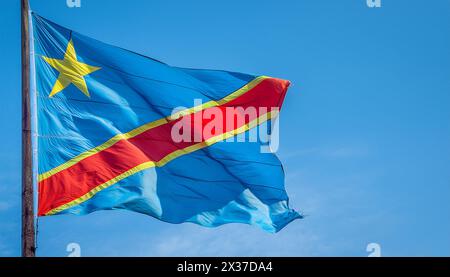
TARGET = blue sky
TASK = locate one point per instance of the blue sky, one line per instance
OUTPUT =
(365, 128)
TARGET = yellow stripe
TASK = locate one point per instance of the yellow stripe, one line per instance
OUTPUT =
(261, 119)
(151, 125)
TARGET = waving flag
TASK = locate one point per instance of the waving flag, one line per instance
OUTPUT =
(118, 130)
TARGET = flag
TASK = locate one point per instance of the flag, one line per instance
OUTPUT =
(119, 130)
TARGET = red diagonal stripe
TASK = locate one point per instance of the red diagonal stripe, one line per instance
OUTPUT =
(152, 145)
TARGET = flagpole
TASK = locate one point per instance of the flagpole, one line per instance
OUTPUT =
(28, 235)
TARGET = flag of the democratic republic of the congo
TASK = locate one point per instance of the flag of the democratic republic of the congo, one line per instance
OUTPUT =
(112, 128)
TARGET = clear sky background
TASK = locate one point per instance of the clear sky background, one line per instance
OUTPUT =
(365, 129)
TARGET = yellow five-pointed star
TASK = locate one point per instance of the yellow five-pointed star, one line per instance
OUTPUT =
(71, 71)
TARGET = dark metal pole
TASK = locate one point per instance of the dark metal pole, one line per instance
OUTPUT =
(28, 236)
